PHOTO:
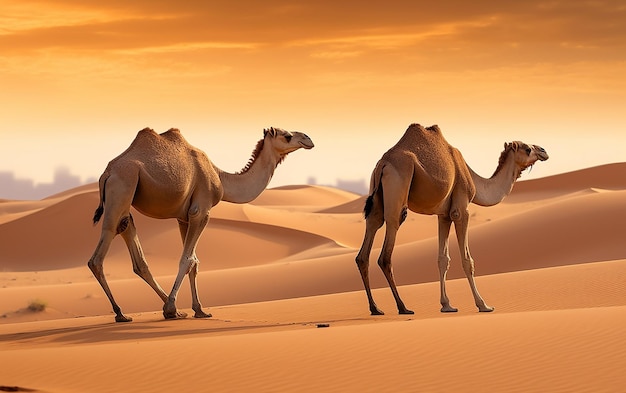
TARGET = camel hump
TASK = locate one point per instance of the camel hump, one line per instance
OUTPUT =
(172, 131)
(417, 126)
(145, 134)
(173, 134)
(146, 131)
(149, 137)
(418, 137)
(150, 133)
(419, 131)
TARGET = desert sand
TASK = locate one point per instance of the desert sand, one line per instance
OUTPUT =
(289, 310)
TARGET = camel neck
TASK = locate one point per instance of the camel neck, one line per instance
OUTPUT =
(245, 186)
(492, 191)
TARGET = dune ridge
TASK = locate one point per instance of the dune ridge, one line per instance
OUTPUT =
(551, 259)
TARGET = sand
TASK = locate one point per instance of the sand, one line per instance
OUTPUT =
(289, 312)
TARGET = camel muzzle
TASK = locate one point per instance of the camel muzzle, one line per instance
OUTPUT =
(305, 141)
(542, 154)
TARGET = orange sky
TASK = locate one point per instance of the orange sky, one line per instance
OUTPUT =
(78, 79)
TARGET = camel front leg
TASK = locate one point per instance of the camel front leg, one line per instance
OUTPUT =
(193, 273)
(444, 262)
(188, 262)
(461, 227)
(195, 300)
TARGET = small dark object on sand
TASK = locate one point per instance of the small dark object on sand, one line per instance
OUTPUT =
(15, 389)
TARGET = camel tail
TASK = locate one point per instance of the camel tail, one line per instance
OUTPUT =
(375, 185)
(369, 203)
(100, 210)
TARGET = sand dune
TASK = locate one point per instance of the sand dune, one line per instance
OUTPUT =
(551, 258)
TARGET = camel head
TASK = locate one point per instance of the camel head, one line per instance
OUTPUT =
(284, 142)
(526, 155)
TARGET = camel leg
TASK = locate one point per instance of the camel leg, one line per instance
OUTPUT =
(444, 262)
(195, 300)
(193, 273)
(188, 261)
(140, 266)
(116, 220)
(461, 227)
(395, 189)
(384, 261)
(373, 222)
(96, 266)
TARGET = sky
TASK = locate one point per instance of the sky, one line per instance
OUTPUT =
(79, 78)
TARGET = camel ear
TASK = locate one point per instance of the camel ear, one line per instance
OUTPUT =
(513, 146)
(269, 131)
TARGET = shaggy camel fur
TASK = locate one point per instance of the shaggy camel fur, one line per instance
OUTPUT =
(423, 173)
(163, 176)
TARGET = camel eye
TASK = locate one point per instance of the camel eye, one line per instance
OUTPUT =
(288, 137)
(528, 150)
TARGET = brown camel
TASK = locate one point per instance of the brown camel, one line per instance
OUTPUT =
(423, 173)
(163, 176)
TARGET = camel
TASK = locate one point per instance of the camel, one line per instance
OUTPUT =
(423, 173)
(163, 176)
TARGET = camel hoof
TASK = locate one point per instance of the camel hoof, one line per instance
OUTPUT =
(123, 318)
(175, 315)
(376, 311)
(406, 312)
(202, 314)
(449, 309)
(485, 309)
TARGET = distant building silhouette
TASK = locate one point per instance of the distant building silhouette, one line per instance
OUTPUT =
(355, 186)
(26, 189)
(359, 187)
(63, 180)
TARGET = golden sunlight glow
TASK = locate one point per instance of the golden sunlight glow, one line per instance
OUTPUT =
(221, 72)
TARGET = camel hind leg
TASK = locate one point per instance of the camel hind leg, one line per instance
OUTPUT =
(395, 191)
(96, 266)
(373, 221)
(119, 195)
(96, 263)
(140, 266)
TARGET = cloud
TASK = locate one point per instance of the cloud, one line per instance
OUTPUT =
(487, 30)
(249, 54)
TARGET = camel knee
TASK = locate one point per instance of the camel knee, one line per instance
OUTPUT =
(468, 266)
(95, 267)
(195, 268)
(361, 262)
(141, 271)
(384, 262)
(188, 263)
